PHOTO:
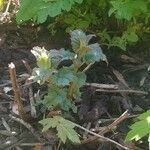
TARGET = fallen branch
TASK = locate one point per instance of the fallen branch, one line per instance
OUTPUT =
(102, 86)
(108, 128)
(102, 137)
(124, 116)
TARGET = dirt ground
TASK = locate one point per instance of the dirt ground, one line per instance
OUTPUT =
(126, 70)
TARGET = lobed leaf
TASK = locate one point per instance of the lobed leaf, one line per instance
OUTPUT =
(39, 10)
(140, 128)
(58, 97)
(65, 128)
(63, 77)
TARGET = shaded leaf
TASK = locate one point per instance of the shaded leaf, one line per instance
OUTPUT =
(78, 81)
(126, 9)
(57, 56)
(58, 97)
(95, 54)
(63, 77)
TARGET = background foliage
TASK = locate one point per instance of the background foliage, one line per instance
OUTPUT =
(118, 23)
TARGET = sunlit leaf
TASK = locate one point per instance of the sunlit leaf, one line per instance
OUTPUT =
(42, 57)
(39, 10)
(65, 128)
(140, 128)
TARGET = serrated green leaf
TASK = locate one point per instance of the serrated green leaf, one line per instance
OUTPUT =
(130, 35)
(58, 97)
(48, 123)
(63, 77)
(140, 128)
(39, 10)
(65, 128)
(61, 134)
(119, 42)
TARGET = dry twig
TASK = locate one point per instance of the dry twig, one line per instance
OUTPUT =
(87, 67)
(108, 128)
(123, 91)
(18, 101)
(102, 86)
(102, 137)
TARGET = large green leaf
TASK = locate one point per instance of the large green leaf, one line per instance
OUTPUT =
(65, 128)
(57, 97)
(63, 77)
(39, 10)
(140, 128)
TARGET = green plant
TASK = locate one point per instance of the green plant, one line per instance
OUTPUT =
(39, 10)
(140, 128)
(64, 83)
(124, 21)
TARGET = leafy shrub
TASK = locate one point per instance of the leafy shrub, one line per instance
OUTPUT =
(118, 23)
(39, 10)
(64, 83)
